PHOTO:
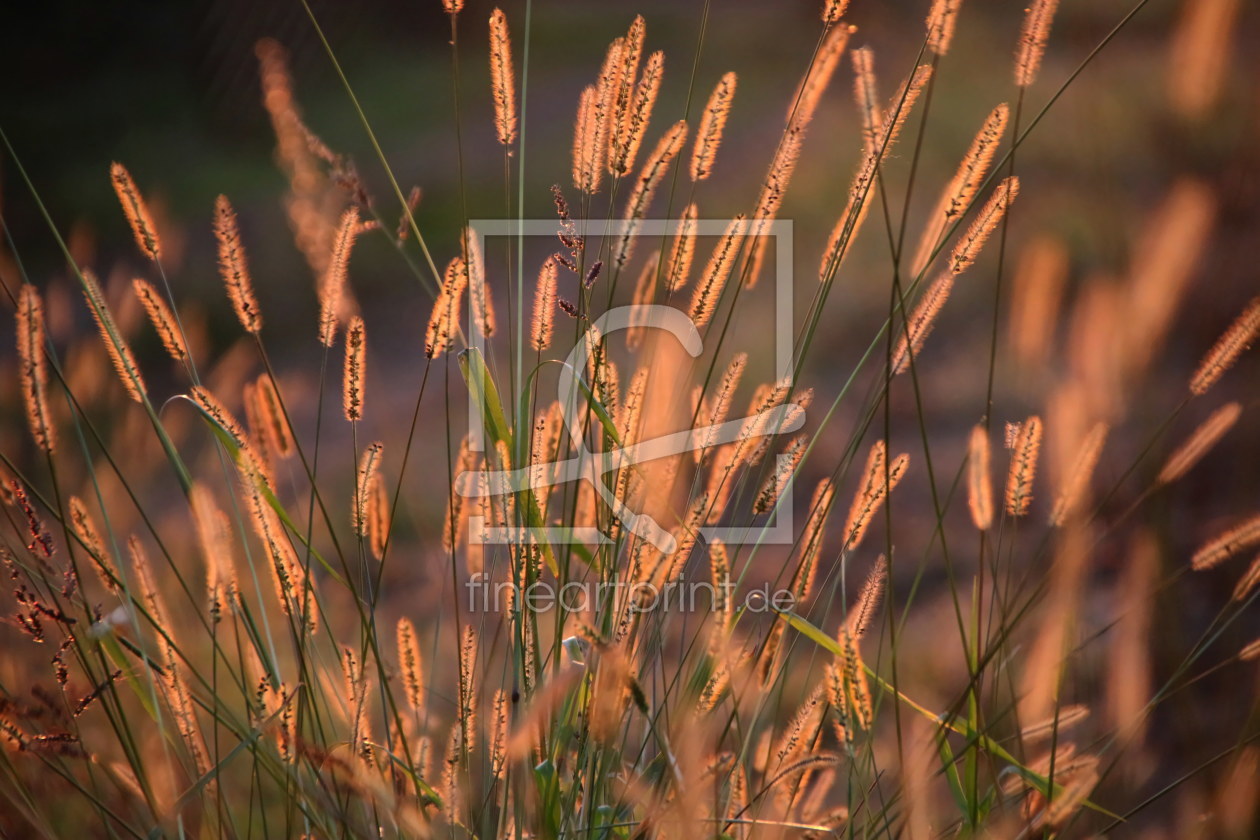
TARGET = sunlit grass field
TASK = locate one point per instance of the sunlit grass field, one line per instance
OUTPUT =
(855, 442)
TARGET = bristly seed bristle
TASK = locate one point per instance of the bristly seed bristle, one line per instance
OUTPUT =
(833, 10)
(32, 337)
(1023, 470)
(941, 20)
(712, 124)
(119, 352)
(682, 251)
(502, 78)
(233, 268)
(332, 287)
(162, 318)
(544, 305)
(1221, 548)
(654, 169)
(1206, 436)
(136, 210)
(880, 478)
(355, 369)
(709, 290)
(968, 248)
(410, 664)
(1074, 491)
(1032, 40)
(479, 293)
(920, 323)
(1240, 335)
(979, 481)
(444, 320)
(369, 464)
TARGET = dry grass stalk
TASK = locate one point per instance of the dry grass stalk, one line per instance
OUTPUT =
(1221, 548)
(654, 169)
(355, 370)
(233, 268)
(1032, 40)
(879, 479)
(467, 713)
(712, 124)
(32, 337)
(1037, 290)
(293, 588)
(177, 694)
(708, 293)
(366, 477)
(1247, 583)
(498, 733)
(314, 200)
(968, 248)
(812, 539)
(588, 167)
(479, 293)
(1240, 335)
(212, 538)
(720, 406)
(1046, 662)
(274, 425)
(1204, 438)
(625, 142)
(920, 322)
(378, 510)
(849, 689)
(622, 100)
(544, 449)
(218, 412)
(502, 78)
(855, 211)
(410, 664)
(1063, 719)
(833, 10)
(136, 211)
(333, 286)
(784, 468)
(958, 194)
(862, 613)
(979, 479)
(644, 295)
(595, 121)
(1075, 489)
(444, 320)
(453, 530)
(84, 527)
(1199, 56)
(1129, 667)
(162, 318)
(1165, 258)
(355, 695)
(782, 166)
(543, 324)
(1023, 469)
(682, 250)
(119, 353)
(941, 20)
(866, 94)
